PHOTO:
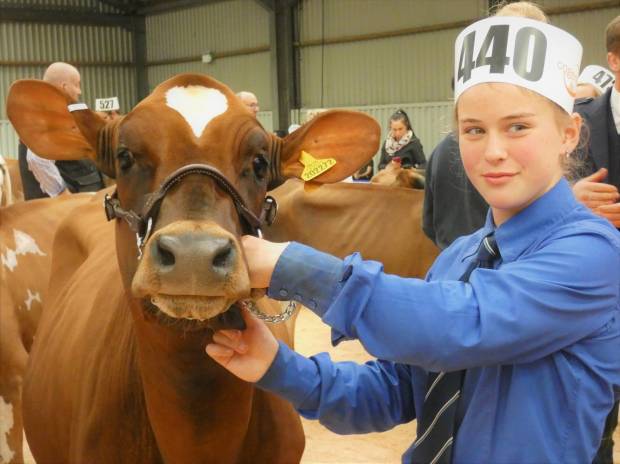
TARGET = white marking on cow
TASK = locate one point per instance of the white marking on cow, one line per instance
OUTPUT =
(24, 244)
(26, 453)
(36, 296)
(6, 424)
(197, 104)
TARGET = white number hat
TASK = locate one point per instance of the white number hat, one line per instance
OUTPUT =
(518, 51)
(597, 76)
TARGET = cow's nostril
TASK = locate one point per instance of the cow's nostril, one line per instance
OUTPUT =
(164, 251)
(223, 256)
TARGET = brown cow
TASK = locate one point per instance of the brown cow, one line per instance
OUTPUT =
(395, 176)
(26, 234)
(118, 373)
(383, 223)
(11, 189)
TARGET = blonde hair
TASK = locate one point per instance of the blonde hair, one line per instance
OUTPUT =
(522, 9)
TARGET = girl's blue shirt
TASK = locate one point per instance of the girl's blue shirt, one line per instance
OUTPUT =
(539, 336)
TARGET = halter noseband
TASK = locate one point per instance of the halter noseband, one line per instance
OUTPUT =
(142, 224)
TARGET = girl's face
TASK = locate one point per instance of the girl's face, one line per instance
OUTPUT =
(511, 144)
(398, 129)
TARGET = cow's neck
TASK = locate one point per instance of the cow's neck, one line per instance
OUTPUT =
(193, 404)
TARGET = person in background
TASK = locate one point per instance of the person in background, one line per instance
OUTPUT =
(46, 178)
(508, 351)
(250, 101)
(599, 191)
(452, 206)
(402, 142)
(593, 81)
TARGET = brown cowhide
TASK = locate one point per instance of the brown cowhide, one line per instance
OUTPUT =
(27, 231)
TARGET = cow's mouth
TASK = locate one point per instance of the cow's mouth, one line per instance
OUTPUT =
(192, 313)
(192, 307)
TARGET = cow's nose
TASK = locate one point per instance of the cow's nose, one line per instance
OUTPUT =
(194, 254)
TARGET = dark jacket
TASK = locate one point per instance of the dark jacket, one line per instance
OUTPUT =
(79, 175)
(411, 155)
(602, 149)
(452, 206)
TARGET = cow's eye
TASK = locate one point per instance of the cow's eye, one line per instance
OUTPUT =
(260, 165)
(125, 159)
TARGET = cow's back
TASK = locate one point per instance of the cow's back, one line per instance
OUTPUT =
(382, 223)
(82, 383)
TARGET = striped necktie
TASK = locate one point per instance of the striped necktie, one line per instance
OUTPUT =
(437, 426)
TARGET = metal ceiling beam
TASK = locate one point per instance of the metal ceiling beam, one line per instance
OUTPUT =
(40, 15)
(174, 5)
(283, 22)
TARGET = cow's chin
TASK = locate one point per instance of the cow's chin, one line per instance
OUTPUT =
(191, 307)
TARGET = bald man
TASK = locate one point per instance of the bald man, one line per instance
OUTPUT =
(46, 178)
(249, 100)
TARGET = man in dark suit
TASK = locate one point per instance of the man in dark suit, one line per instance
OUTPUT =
(599, 191)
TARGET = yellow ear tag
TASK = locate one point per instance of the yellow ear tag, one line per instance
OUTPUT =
(314, 167)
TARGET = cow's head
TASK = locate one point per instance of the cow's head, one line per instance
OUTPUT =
(191, 264)
(394, 175)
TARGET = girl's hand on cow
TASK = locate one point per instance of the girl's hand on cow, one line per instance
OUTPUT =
(262, 257)
(248, 353)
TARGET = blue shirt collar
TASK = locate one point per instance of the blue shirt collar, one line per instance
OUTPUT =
(520, 231)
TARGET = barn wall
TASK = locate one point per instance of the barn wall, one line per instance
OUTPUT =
(236, 32)
(103, 55)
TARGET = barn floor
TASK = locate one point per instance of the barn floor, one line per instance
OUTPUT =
(323, 446)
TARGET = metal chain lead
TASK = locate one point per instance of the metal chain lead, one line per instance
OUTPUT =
(283, 316)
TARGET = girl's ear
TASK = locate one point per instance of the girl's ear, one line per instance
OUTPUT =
(572, 132)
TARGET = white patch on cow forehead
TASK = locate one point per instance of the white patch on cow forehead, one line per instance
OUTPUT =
(6, 424)
(197, 104)
(24, 244)
(32, 296)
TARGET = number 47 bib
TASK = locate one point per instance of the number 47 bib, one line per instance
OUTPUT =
(519, 51)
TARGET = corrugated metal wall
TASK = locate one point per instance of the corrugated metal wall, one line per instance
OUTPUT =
(220, 28)
(90, 5)
(405, 70)
(589, 28)
(411, 68)
(102, 54)
(374, 75)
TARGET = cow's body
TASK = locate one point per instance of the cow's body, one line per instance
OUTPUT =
(383, 223)
(26, 235)
(100, 366)
(118, 370)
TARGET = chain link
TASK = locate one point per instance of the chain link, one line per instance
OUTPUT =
(283, 316)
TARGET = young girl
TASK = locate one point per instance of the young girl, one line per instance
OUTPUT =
(508, 351)
(402, 142)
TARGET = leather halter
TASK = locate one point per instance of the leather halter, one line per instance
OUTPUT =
(142, 223)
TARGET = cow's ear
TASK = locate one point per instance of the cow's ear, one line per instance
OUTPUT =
(348, 137)
(39, 114)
